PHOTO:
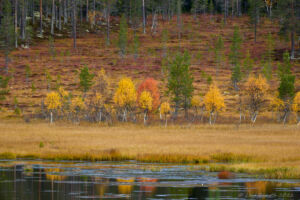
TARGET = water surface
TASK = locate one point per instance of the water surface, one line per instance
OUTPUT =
(34, 180)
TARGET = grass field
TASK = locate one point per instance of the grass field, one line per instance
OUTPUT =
(271, 150)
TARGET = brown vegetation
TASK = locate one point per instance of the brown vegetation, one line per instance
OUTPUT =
(197, 37)
(257, 149)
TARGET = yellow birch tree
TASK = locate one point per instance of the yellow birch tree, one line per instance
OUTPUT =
(145, 103)
(53, 102)
(125, 96)
(165, 110)
(214, 103)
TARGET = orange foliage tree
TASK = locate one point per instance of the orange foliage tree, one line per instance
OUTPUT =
(150, 85)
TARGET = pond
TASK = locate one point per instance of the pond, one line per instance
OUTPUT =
(41, 180)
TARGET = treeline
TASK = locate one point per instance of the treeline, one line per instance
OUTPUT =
(22, 20)
(99, 102)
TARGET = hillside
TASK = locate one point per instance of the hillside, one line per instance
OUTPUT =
(198, 36)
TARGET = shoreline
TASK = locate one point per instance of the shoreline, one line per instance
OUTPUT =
(270, 151)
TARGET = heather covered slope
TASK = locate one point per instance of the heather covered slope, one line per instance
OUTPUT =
(61, 64)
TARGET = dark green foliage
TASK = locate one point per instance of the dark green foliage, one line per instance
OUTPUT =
(268, 58)
(52, 47)
(235, 47)
(254, 13)
(211, 7)
(287, 79)
(86, 79)
(288, 14)
(218, 50)
(6, 31)
(123, 32)
(235, 57)
(248, 64)
(199, 6)
(180, 80)
(236, 75)
(28, 73)
(3, 87)
(136, 45)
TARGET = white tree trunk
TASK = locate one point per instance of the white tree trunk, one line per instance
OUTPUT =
(53, 17)
(51, 117)
(144, 17)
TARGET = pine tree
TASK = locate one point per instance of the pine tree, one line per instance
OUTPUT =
(286, 88)
(254, 12)
(123, 32)
(287, 79)
(287, 12)
(235, 56)
(136, 45)
(268, 58)
(86, 79)
(180, 81)
(248, 64)
(4, 87)
(219, 54)
(7, 32)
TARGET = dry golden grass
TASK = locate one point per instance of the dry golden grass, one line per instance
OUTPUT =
(247, 149)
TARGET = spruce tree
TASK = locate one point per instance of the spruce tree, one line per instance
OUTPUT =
(248, 64)
(219, 55)
(123, 32)
(286, 88)
(254, 13)
(268, 58)
(86, 79)
(180, 81)
(3, 87)
(7, 32)
(235, 56)
(288, 14)
(287, 79)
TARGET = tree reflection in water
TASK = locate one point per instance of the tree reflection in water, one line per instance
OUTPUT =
(57, 181)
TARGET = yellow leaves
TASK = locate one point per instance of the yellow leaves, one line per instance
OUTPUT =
(145, 100)
(97, 100)
(196, 102)
(109, 108)
(102, 83)
(257, 85)
(63, 93)
(53, 101)
(296, 103)
(125, 95)
(276, 104)
(165, 108)
(77, 104)
(213, 100)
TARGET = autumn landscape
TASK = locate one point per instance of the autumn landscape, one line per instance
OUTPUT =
(208, 83)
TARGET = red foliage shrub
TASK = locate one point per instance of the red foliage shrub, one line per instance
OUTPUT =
(150, 85)
(226, 175)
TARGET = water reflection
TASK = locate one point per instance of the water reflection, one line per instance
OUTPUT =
(72, 181)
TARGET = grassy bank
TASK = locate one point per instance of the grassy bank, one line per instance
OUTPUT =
(269, 150)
